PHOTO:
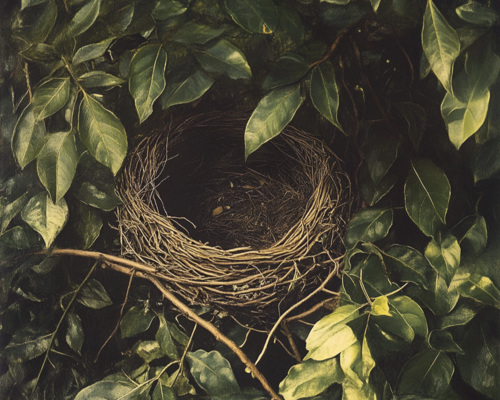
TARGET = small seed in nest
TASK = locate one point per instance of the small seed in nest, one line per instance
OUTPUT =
(219, 210)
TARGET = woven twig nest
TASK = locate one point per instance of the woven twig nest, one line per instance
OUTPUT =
(228, 233)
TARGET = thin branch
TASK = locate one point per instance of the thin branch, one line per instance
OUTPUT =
(313, 309)
(293, 345)
(331, 49)
(26, 73)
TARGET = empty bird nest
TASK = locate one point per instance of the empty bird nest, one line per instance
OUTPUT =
(232, 234)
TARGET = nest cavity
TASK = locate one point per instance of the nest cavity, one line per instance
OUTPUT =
(228, 233)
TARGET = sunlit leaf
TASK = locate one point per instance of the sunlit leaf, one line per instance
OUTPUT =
(443, 341)
(30, 3)
(136, 320)
(102, 133)
(310, 378)
(408, 265)
(147, 78)
(325, 93)
(212, 372)
(357, 362)
(440, 43)
(223, 57)
(164, 338)
(56, 164)
(84, 18)
(40, 52)
(91, 51)
(461, 315)
(93, 295)
(289, 69)
(87, 224)
(479, 288)
(427, 194)
(168, 8)
(99, 79)
(440, 298)
(194, 33)
(444, 257)
(45, 217)
(26, 344)
(74, 332)
(368, 225)
(411, 312)
(375, 4)
(109, 390)
(148, 350)
(478, 14)
(256, 16)
(28, 137)
(50, 97)
(380, 306)
(428, 373)
(181, 91)
(163, 392)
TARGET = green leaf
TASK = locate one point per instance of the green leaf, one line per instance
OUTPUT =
(440, 43)
(472, 233)
(102, 133)
(374, 277)
(416, 118)
(479, 288)
(427, 194)
(9, 210)
(30, 3)
(16, 238)
(44, 24)
(357, 363)
(289, 69)
(444, 257)
(164, 338)
(478, 14)
(25, 345)
(272, 115)
(102, 197)
(93, 295)
(163, 392)
(148, 350)
(56, 164)
(45, 217)
(194, 33)
(479, 366)
(84, 18)
(182, 91)
(223, 57)
(291, 23)
(91, 51)
(136, 320)
(310, 378)
(40, 52)
(428, 373)
(487, 160)
(256, 16)
(330, 335)
(50, 97)
(408, 265)
(375, 4)
(147, 78)
(368, 225)
(380, 306)
(460, 316)
(28, 137)
(411, 312)
(440, 298)
(380, 150)
(168, 8)
(46, 266)
(212, 372)
(109, 390)
(74, 333)
(325, 93)
(443, 341)
(372, 193)
(87, 224)
(99, 79)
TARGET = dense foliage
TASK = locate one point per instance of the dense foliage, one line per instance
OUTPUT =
(405, 91)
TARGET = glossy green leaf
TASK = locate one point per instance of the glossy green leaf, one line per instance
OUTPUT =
(99, 79)
(291, 23)
(380, 306)
(479, 288)
(147, 78)
(310, 378)
(30, 3)
(440, 298)
(45, 217)
(148, 350)
(102, 133)
(461, 315)
(372, 193)
(411, 312)
(443, 341)
(325, 93)
(416, 118)
(25, 345)
(102, 197)
(74, 332)
(50, 97)
(168, 8)
(84, 18)
(444, 257)
(91, 51)
(479, 366)
(194, 33)
(15, 238)
(330, 335)
(375, 4)
(408, 265)
(44, 24)
(56, 164)
(46, 266)
(123, 389)
(390, 332)
(93, 295)
(487, 160)
(368, 225)
(256, 16)
(87, 224)
(428, 373)
(440, 43)
(28, 138)
(427, 194)
(136, 320)
(212, 372)
(272, 115)
(223, 57)
(374, 276)
(478, 14)
(180, 383)
(163, 392)
(164, 338)
(338, 2)
(182, 91)
(476, 236)
(41, 53)
(9, 210)
(357, 363)
(289, 69)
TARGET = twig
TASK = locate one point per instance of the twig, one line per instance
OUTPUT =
(26, 73)
(293, 345)
(313, 309)
(331, 49)
(119, 317)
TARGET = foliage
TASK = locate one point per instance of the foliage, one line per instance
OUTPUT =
(420, 290)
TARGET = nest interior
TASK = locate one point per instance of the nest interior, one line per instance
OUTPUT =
(228, 233)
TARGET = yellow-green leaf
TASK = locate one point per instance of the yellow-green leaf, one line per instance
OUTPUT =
(28, 137)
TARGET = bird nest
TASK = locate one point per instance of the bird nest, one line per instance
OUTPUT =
(233, 235)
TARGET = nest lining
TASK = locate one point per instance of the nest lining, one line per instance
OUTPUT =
(263, 228)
